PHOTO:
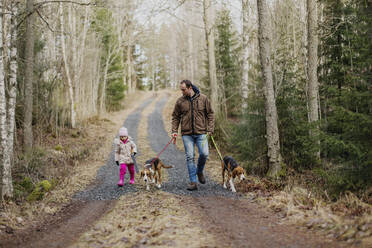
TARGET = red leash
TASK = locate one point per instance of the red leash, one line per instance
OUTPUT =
(174, 142)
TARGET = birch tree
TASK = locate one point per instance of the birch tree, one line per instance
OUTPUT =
(272, 132)
(245, 38)
(67, 69)
(312, 64)
(29, 72)
(8, 106)
(209, 36)
(3, 117)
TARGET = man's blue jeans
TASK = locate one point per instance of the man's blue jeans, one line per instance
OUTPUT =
(201, 142)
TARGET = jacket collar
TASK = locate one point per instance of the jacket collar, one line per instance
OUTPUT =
(196, 93)
(125, 141)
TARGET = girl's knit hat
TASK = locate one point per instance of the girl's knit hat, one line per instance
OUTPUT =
(123, 131)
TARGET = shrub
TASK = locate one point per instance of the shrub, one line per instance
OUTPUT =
(39, 191)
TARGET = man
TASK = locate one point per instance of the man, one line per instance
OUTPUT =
(193, 110)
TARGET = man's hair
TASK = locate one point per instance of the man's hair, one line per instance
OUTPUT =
(187, 83)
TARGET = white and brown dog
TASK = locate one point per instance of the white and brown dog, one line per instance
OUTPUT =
(233, 170)
(151, 172)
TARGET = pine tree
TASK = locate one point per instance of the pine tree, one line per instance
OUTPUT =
(346, 93)
(227, 63)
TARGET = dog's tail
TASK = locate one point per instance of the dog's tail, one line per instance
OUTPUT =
(166, 166)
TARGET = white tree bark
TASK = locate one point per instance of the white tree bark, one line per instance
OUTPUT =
(312, 65)
(7, 189)
(209, 35)
(272, 132)
(3, 117)
(67, 70)
(245, 34)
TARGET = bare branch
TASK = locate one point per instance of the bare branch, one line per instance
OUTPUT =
(37, 6)
(45, 21)
(65, 1)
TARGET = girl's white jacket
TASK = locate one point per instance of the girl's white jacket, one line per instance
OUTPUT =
(123, 151)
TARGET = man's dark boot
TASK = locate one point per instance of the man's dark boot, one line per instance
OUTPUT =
(201, 178)
(192, 187)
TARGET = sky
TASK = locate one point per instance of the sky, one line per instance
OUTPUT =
(166, 11)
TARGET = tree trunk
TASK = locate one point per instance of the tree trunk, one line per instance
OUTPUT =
(103, 89)
(245, 10)
(81, 54)
(67, 70)
(29, 73)
(3, 122)
(129, 67)
(312, 64)
(7, 188)
(190, 42)
(209, 35)
(272, 133)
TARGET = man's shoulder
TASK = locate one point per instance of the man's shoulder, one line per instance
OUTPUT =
(203, 97)
(181, 99)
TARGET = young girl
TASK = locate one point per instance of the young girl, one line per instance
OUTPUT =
(123, 155)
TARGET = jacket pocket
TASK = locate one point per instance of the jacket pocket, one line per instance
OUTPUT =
(185, 123)
(200, 121)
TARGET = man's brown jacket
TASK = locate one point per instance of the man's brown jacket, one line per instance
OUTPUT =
(195, 115)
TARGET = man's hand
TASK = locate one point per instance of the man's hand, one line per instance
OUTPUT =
(174, 137)
(117, 163)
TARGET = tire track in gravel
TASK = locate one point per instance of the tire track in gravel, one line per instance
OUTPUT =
(233, 220)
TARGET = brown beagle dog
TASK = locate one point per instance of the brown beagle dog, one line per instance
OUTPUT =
(151, 172)
(233, 170)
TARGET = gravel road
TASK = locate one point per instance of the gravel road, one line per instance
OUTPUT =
(105, 187)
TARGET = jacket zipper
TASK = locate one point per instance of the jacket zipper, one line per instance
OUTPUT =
(192, 116)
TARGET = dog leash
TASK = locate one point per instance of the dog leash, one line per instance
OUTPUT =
(174, 142)
(215, 145)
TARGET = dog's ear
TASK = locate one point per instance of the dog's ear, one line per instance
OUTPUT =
(240, 170)
(234, 172)
(142, 174)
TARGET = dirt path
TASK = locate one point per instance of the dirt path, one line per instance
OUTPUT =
(105, 216)
(240, 223)
(62, 228)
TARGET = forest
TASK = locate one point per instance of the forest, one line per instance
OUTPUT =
(290, 82)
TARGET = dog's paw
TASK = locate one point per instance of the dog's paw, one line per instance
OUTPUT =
(147, 188)
(159, 186)
(224, 186)
(233, 190)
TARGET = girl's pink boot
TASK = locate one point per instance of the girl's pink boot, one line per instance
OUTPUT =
(123, 170)
(131, 171)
